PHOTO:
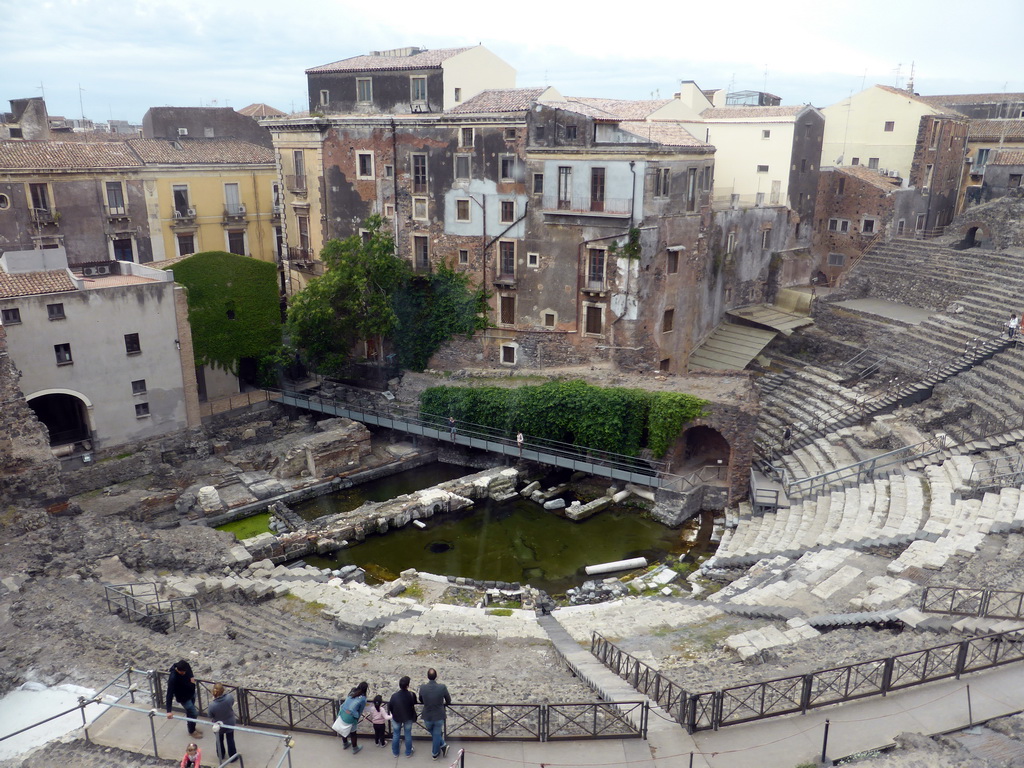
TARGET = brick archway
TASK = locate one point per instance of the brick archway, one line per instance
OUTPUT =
(974, 233)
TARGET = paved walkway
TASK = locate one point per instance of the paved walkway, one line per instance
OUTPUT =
(781, 742)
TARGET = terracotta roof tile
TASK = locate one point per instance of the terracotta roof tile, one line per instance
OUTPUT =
(1007, 157)
(733, 113)
(870, 175)
(34, 283)
(994, 130)
(907, 95)
(624, 109)
(499, 100)
(260, 110)
(199, 151)
(666, 133)
(959, 99)
(377, 63)
(65, 155)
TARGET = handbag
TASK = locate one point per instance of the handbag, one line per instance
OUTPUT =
(340, 727)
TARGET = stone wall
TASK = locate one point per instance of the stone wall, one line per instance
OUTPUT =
(29, 474)
(1001, 219)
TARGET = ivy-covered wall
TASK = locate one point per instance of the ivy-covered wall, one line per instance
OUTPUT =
(233, 307)
(615, 419)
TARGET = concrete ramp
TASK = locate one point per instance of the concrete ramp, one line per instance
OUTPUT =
(730, 348)
(774, 316)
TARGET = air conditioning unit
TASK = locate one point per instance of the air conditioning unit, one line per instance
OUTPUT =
(183, 131)
(97, 270)
(191, 211)
(241, 210)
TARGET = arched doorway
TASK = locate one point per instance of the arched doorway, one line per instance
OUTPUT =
(970, 239)
(703, 446)
(64, 415)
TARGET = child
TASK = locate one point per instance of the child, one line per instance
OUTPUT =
(193, 756)
(378, 715)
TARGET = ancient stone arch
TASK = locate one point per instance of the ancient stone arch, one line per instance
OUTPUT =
(65, 413)
(974, 234)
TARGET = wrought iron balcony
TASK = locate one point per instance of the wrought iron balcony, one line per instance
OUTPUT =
(296, 183)
(45, 216)
(234, 212)
(116, 211)
(585, 205)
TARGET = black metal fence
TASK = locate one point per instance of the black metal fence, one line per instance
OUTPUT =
(966, 601)
(799, 693)
(522, 722)
(142, 602)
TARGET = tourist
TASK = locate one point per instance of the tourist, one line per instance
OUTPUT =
(193, 757)
(378, 716)
(402, 707)
(181, 687)
(222, 713)
(1011, 326)
(451, 427)
(519, 442)
(349, 715)
(435, 697)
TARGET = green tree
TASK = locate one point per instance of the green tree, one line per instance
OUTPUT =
(351, 301)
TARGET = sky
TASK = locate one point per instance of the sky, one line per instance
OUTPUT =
(113, 59)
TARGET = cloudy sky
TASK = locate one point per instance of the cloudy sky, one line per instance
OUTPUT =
(128, 55)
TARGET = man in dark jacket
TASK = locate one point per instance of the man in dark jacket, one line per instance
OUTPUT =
(402, 707)
(181, 687)
(434, 696)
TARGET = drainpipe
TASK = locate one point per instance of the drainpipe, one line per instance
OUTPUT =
(394, 179)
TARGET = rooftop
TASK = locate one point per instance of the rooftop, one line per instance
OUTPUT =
(16, 154)
(1007, 157)
(994, 130)
(500, 100)
(739, 113)
(871, 176)
(261, 110)
(199, 151)
(382, 61)
(34, 283)
(961, 99)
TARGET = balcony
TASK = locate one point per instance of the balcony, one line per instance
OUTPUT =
(296, 184)
(300, 254)
(276, 212)
(116, 212)
(234, 213)
(44, 216)
(183, 217)
(616, 207)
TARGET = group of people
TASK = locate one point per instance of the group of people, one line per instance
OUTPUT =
(400, 712)
(181, 687)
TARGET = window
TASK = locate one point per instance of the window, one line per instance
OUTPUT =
(766, 238)
(418, 88)
(5, 202)
(873, 163)
(123, 250)
(389, 171)
(132, 346)
(325, 98)
(762, 169)
(920, 222)
(661, 182)
(508, 211)
(419, 174)
(389, 210)
(730, 242)
(538, 183)
(510, 134)
(141, 410)
(462, 166)
(890, 126)
(901, 227)
(364, 90)
(507, 310)
(672, 262)
(538, 133)
(842, 185)
(776, 192)
(463, 256)
(839, 225)
(593, 319)
(570, 132)
(186, 244)
(115, 198)
(421, 251)
(667, 320)
(836, 259)
(419, 208)
(507, 258)
(855, 161)
(1014, 181)
(303, 223)
(759, 198)
(365, 163)
(803, 165)
(595, 268)
(766, 134)
(40, 197)
(55, 311)
(597, 186)
(564, 188)
(63, 354)
(532, 260)
(208, 133)
(508, 354)
(868, 226)
(691, 189)
(466, 137)
(508, 167)
(236, 241)
(139, 387)
(10, 316)
(458, 94)
(462, 210)
(928, 170)
(549, 319)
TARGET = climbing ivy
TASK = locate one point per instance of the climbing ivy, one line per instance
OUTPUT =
(611, 419)
(233, 307)
(631, 248)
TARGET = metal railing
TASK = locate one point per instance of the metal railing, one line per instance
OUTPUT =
(798, 693)
(969, 601)
(141, 602)
(584, 204)
(668, 695)
(523, 722)
(1000, 472)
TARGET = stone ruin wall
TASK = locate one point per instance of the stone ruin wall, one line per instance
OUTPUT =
(30, 480)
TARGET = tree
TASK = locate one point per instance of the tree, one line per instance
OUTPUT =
(351, 301)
